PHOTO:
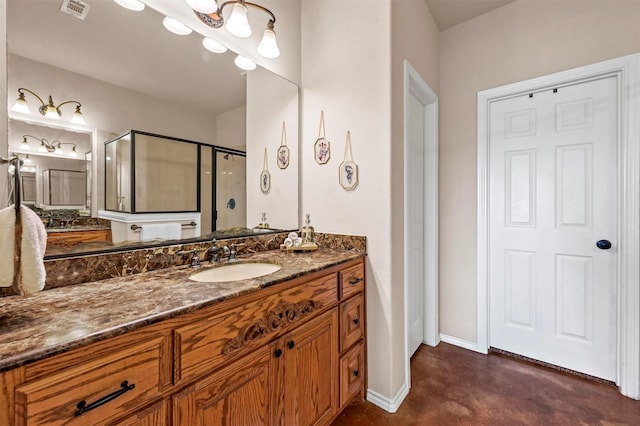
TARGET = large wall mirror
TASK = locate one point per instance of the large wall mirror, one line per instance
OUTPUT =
(128, 72)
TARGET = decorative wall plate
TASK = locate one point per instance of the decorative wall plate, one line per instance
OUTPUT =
(265, 176)
(348, 170)
(283, 150)
(322, 147)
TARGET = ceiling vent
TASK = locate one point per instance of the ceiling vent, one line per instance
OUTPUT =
(76, 8)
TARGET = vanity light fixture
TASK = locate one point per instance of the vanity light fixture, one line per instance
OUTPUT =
(176, 26)
(135, 5)
(209, 12)
(47, 110)
(54, 147)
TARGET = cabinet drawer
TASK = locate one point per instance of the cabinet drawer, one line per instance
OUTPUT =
(351, 321)
(207, 343)
(351, 281)
(55, 399)
(351, 374)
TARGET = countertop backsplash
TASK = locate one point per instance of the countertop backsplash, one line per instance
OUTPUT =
(95, 267)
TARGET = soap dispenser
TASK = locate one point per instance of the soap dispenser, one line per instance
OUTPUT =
(308, 234)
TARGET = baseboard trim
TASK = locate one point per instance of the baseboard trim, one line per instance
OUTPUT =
(388, 405)
(472, 346)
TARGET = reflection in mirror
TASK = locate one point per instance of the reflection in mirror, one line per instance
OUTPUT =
(52, 178)
(129, 72)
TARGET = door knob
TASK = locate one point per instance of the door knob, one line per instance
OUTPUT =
(603, 244)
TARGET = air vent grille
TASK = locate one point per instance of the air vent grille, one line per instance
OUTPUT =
(76, 8)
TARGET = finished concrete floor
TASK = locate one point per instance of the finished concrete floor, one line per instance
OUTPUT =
(454, 386)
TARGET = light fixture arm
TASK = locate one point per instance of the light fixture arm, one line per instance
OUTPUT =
(78, 104)
(49, 146)
(21, 91)
(271, 22)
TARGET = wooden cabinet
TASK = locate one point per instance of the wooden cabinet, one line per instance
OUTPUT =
(94, 391)
(290, 354)
(307, 373)
(235, 395)
(154, 415)
(68, 239)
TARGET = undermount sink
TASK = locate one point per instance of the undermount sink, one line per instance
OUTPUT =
(234, 272)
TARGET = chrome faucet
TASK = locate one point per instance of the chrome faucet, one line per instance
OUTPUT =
(195, 259)
(214, 252)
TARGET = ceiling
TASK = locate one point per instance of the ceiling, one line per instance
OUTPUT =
(448, 13)
(128, 49)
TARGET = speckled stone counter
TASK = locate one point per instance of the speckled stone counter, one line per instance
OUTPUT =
(60, 319)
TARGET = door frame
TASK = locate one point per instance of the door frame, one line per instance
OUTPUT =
(415, 85)
(627, 71)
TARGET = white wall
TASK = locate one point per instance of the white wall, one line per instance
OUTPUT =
(346, 71)
(411, 21)
(522, 40)
(270, 101)
(231, 128)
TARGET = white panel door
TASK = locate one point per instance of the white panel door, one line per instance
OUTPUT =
(553, 186)
(415, 217)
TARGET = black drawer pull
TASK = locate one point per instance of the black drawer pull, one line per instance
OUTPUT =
(355, 373)
(278, 353)
(83, 407)
(291, 344)
(355, 321)
(355, 281)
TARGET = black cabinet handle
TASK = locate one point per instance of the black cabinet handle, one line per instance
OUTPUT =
(603, 244)
(355, 281)
(356, 321)
(291, 344)
(356, 373)
(83, 407)
(278, 353)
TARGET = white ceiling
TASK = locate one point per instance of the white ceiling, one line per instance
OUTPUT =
(448, 13)
(128, 49)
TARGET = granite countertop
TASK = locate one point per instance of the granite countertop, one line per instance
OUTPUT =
(60, 319)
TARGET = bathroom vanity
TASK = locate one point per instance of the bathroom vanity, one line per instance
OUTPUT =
(157, 348)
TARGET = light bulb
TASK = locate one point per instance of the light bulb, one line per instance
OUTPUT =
(77, 117)
(238, 24)
(28, 160)
(134, 5)
(58, 150)
(244, 63)
(21, 105)
(51, 112)
(203, 6)
(175, 26)
(213, 46)
(268, 46)
(24, 145)
(73, 153)
(42, 147)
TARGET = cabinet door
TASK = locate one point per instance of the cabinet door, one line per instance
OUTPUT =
(235, 395)
(310, 357)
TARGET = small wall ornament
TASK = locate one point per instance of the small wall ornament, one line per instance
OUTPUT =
(322, 147)
(283, 150)
(348, 170)
(265, 176)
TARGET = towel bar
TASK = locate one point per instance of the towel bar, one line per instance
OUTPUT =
(135, 227)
